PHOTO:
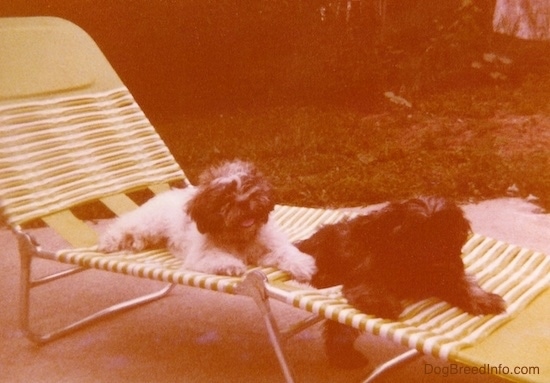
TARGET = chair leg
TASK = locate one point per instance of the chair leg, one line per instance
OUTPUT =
(253, 286)
(393, 363)
(28, 251)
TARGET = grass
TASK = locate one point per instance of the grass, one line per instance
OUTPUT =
(466, 144)
(326, 135)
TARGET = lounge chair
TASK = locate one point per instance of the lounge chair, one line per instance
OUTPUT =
(74, 140)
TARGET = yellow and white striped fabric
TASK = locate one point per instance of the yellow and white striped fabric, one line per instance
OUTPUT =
(59, 152)
(301, 222)
(157, 265)
(432, 326)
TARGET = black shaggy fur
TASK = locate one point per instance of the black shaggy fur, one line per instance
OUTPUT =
(409, 250)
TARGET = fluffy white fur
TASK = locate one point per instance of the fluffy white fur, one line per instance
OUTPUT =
(219, 227)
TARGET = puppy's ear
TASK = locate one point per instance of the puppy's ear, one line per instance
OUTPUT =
(204, 210)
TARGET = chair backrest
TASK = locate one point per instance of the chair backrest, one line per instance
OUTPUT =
(70, 132)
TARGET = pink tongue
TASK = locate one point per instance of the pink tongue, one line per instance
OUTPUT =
(248, 222)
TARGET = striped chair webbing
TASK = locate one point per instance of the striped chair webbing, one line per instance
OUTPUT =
(301, 222)
(157, 264)
(59, 152)
(432, 326)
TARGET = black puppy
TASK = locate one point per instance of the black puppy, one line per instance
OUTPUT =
(408, 250)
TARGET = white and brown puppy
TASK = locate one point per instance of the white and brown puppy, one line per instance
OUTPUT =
(218, 227)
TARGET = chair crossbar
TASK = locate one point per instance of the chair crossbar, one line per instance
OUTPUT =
(161, 188)
(119, 204)
(75, 231)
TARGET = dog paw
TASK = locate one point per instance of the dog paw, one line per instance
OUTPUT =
(236, 268)
(111, 242)
(302, 268)
(108, 243)
(374, 300)
(487, 303)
